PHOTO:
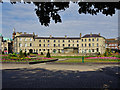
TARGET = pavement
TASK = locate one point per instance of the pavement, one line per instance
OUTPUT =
(60, 76)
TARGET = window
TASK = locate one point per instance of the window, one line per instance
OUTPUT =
(25, 39)
(89, 44)
(39, 49)
(30, 39)
(48, 45)
(48, 40)
(73, 45)
(30, 44)
(44, 40)
(85, 45)
(54, 45)
(82, 45)
(68, 40)
(63, 45)
(92, 50)
(82, 40)
(97, 50)
(58, 40)
(77, 40)
(89, 39)
(25, 44)
(25, 50)
(39, 45)
(97, 45)
(20, 39)
(77, 45)
(93, 44)
(20, 45)
(54, 40)
(85, 40)
(43, 49)
(63, 41)
(68, 45)
(73, 40)
(58, 45)
(39, 40)
(92, 39)
(44, 45)
(97, 39)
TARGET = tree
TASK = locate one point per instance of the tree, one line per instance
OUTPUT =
(21, 54)
(48, 54)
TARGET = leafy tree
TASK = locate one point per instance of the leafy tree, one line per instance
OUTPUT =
(25, 54)
(48, 54)
(21, 54)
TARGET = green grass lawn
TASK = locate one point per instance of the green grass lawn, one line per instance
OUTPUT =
(25, 60)
(71, 56)
(87, 60)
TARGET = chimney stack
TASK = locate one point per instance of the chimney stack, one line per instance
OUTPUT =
(50, 36)
(99, 34)
(80, 35)
(91, 34)
(24, 32)
(65, 36)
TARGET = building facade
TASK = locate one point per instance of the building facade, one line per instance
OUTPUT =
(5, 45)
(31, 43)
(113, 44)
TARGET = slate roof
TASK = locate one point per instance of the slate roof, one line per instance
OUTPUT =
(93, 35)
(25, 35)
(57, 38)
(112, 41)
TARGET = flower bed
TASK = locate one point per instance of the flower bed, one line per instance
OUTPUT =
(102, 58)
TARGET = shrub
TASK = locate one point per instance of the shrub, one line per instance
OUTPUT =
(21, 54)
(105, 54)
(2, 52)
(48, 54)
(28, 53)
(41, 53)
(25, 54)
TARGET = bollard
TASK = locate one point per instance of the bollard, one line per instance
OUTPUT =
(82, 59)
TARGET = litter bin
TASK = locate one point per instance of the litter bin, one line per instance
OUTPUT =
(82, 59)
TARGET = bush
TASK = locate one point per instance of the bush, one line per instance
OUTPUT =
(41, 53)
(105, 54)
(25, 54)
(48, 54)
(21, 54)
(28, 53)
(2, 52)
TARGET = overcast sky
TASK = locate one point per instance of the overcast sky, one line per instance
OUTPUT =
(22, 17)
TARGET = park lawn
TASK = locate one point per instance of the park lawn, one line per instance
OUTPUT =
(25, 60)
(87, 60)
(71, 56)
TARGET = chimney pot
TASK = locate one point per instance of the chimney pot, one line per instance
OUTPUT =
(24, 32)
(65, 36)
(80, 35)
(99, 34)
(91, 34)
(50, 36)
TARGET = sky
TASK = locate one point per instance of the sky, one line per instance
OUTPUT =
(22, 17)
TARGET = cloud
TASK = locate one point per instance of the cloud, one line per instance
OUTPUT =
(24, 19)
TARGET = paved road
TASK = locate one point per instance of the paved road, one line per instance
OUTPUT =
(60, 76)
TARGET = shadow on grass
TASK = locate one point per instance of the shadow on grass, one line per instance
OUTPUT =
(42, 78)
